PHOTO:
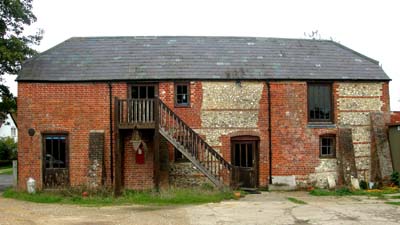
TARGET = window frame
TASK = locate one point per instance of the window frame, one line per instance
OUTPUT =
(181, 105)
(331, 112)
(13, 132)
(333, 154)
(131, 85)
(61, 134)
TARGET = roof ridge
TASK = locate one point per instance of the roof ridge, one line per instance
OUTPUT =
(199, 36)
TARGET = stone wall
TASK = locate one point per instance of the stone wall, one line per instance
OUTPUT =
(355, 102)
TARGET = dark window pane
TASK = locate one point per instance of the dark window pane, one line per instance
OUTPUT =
(150, 92)
(249, 155)
(55, 156)
(327, 147)
(319, 102)
(182, 94)
(237, 155)
(142, 92)
(135, 92)
(179, 157)
(243, 155)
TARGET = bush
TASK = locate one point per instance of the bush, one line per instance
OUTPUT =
(363, 185)
(8, 148)
(395, 178)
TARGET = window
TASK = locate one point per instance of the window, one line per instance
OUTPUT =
(55, 151)
(179, 157)
(182, 94)
(320, 102)
(327, 147)
(142, 91)
(13, 132)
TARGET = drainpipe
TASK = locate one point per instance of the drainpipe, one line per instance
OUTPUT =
(111, 135)
(269, 132)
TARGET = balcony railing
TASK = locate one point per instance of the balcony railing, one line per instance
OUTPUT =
(135, 113)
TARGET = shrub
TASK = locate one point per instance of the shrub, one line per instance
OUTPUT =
(8, 148)
(363, 185)
(395, 178)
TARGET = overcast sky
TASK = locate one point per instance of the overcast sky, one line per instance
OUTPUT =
(369, 27)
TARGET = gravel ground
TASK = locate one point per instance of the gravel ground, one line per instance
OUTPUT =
(265, 208)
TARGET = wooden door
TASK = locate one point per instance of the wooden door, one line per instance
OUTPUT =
(245, 163)
(394, 139)
(55, 161)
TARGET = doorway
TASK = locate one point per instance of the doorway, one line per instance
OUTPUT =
(141, 103)
(244, 158)
(55, 161)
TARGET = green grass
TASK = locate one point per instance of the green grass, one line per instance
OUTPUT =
(347, 192)
(393, 203)
(296, 201)
(6, 170)
(172, 196)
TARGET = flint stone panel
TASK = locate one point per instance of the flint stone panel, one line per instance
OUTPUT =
(360, 89)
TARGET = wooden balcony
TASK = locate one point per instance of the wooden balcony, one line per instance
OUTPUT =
(135, 113)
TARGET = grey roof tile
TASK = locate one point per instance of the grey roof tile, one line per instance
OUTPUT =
(164, 58)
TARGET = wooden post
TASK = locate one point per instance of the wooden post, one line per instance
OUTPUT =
(118, 157)
(157, 144)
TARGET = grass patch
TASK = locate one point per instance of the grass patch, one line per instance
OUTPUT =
(347, 192)
(103, 197)
(6, 170)
(393, 203)
(296, 201)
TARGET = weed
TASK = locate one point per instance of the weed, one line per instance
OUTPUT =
(393, 203)
(296, 201)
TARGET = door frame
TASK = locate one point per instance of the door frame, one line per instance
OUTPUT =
(255, 140)
(67, 155)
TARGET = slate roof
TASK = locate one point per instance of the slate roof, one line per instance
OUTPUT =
(191, 58)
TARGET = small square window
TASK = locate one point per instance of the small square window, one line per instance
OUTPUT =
(182, 94)
(327, 147)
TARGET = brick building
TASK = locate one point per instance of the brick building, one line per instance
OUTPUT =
(143, 111)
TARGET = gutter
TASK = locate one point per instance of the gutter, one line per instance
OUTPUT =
(269, 132)
(111, 135)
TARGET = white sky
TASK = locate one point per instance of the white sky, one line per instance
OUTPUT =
(369, 27)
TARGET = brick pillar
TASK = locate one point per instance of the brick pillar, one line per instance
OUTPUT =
(96, 159)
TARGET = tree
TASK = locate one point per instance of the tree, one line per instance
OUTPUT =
(15, 46)
(8, 148)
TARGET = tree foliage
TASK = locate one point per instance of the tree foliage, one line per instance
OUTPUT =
(8, 148)
(15, 45)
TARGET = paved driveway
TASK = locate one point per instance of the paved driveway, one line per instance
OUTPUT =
(265, 208)
(5, 181)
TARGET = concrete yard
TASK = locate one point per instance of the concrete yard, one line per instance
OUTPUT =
(265, 208)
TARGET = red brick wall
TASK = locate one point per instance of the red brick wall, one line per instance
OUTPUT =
(385, 97)
(395, 117)
(75, 108)
(191, 115)
(295, 146)
(137, 176)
